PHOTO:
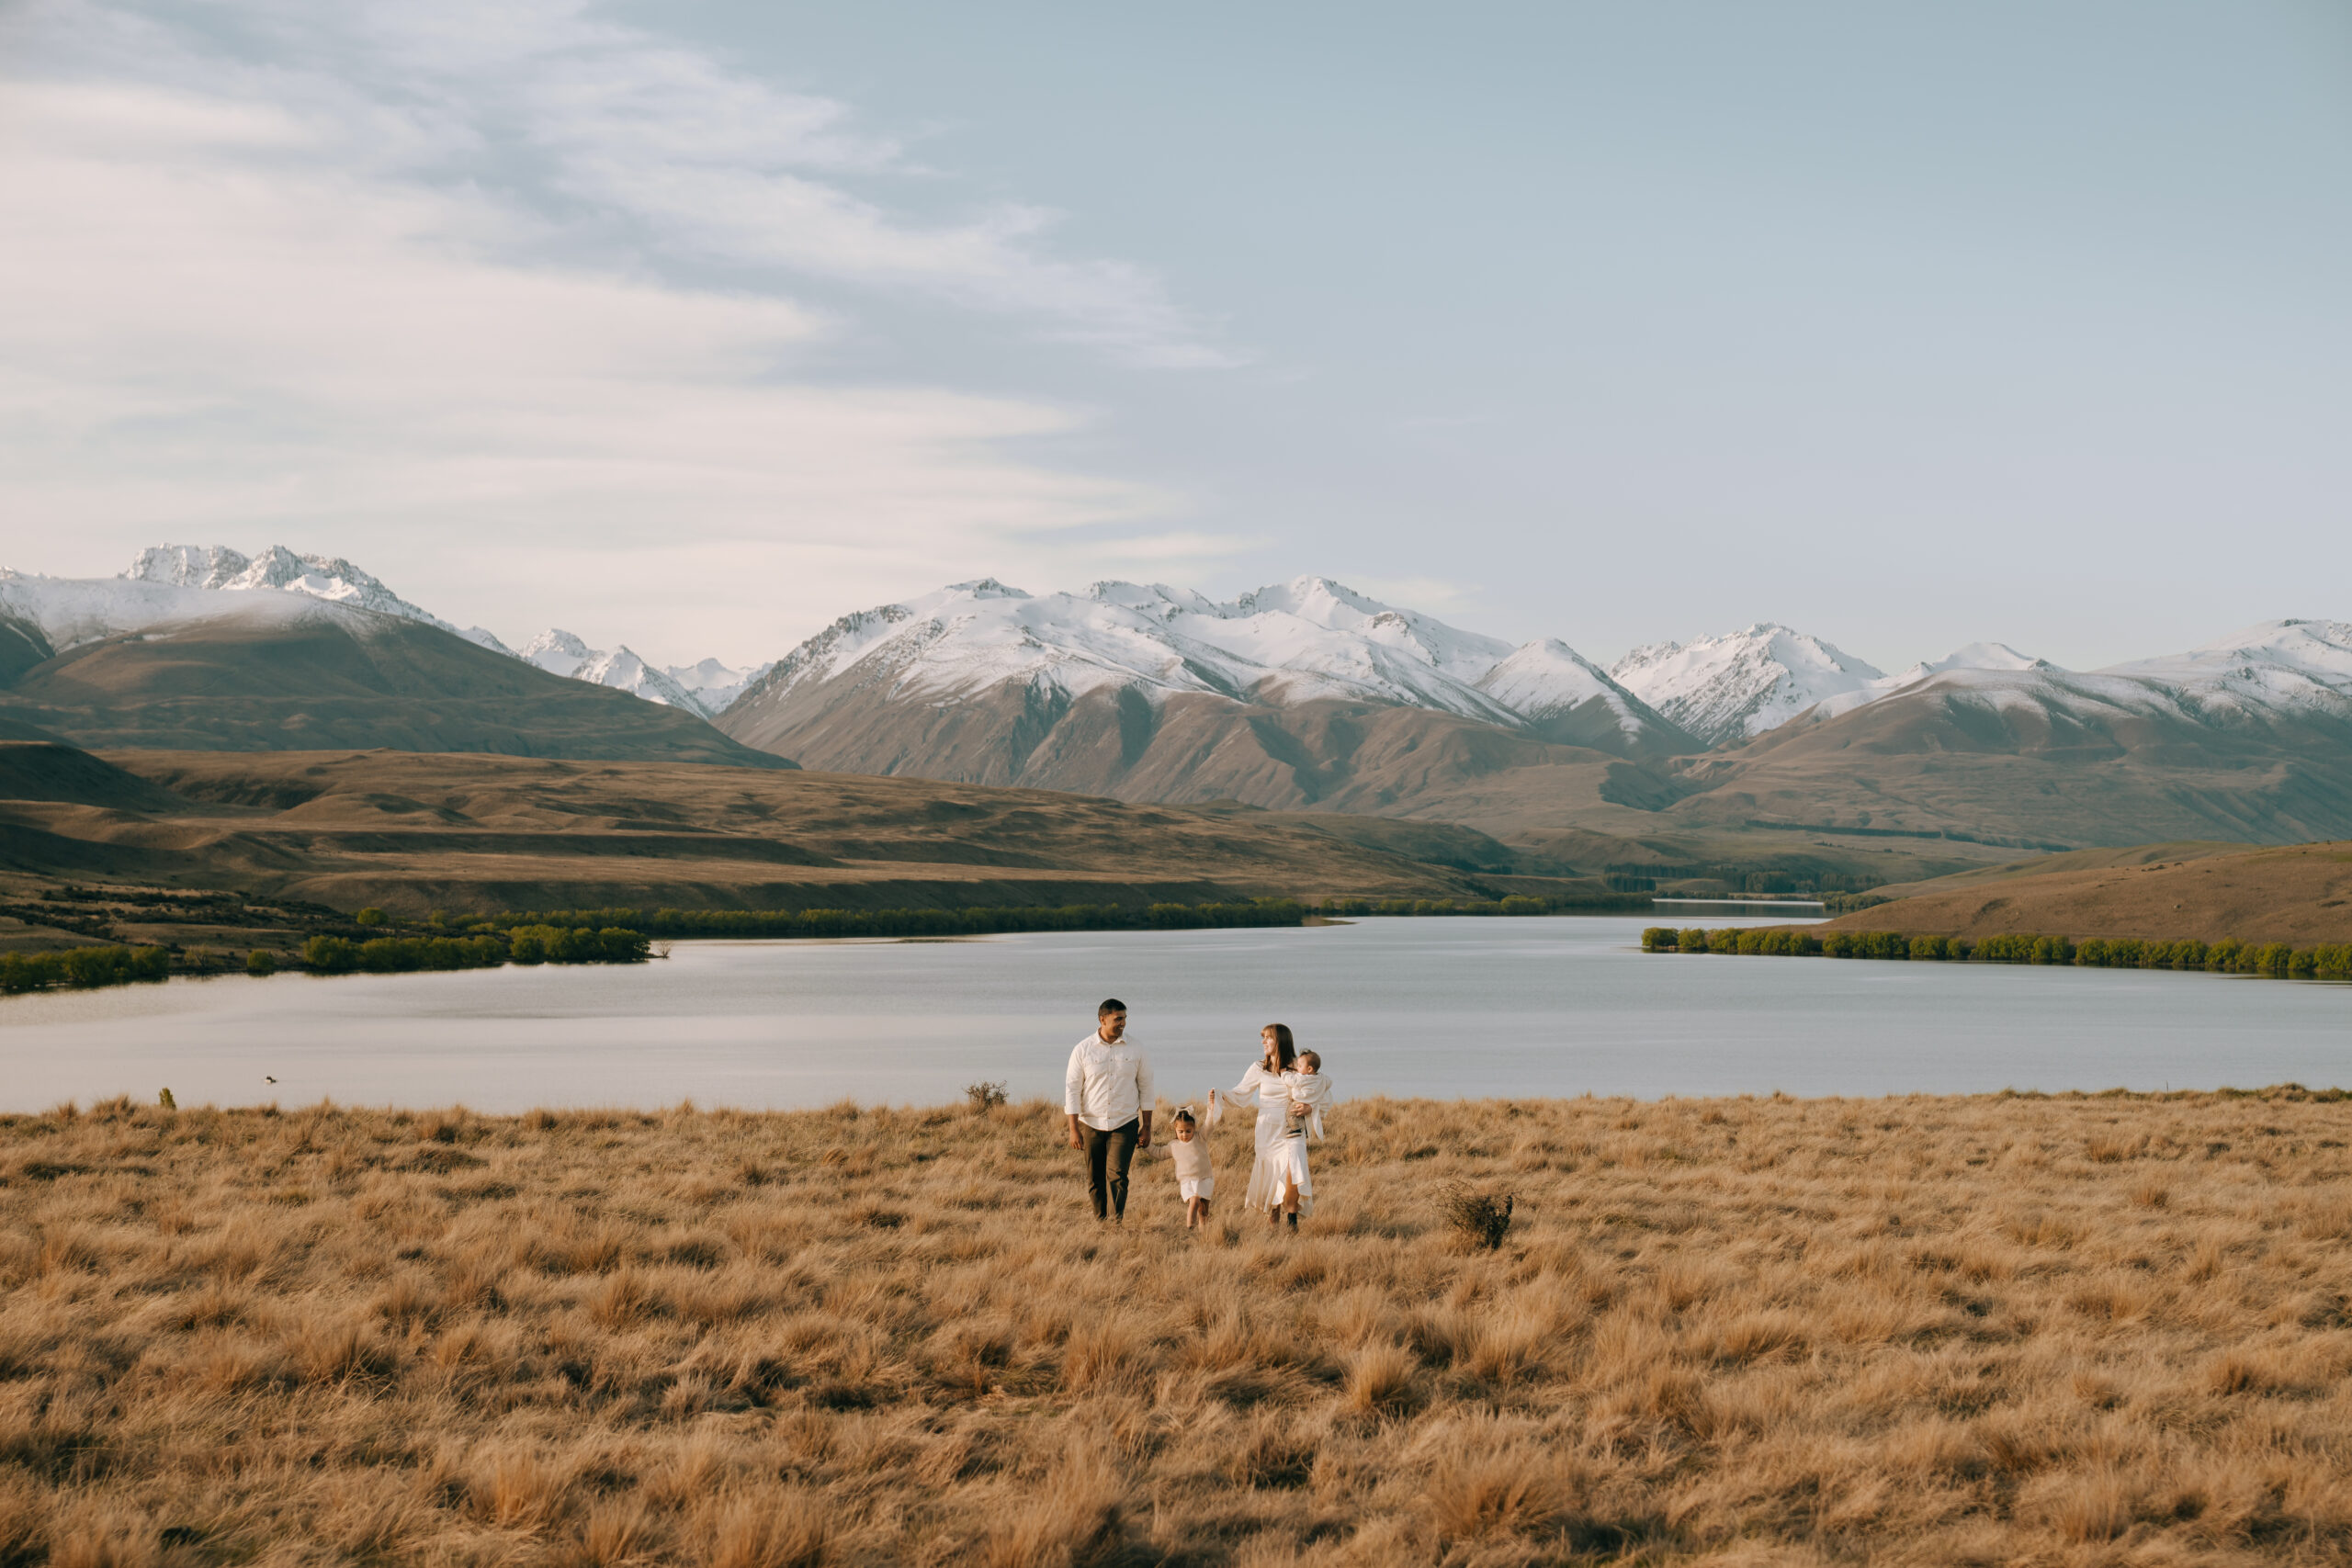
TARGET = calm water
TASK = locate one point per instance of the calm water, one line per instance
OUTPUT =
(1424, 1007)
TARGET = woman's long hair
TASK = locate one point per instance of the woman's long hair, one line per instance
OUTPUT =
(1284, 1051)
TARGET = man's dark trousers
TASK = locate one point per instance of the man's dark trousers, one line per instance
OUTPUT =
(1118, 1148)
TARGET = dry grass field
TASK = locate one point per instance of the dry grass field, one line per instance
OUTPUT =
(1921, 1330)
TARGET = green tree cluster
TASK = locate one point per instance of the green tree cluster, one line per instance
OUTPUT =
(1695, 938)
(574, 944)
(2275, 960)
(82, 968)
(401, 955)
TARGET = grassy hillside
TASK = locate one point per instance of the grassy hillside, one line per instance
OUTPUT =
(342, 678)
(1933, 1331)
(2299, 894)
(410, 832)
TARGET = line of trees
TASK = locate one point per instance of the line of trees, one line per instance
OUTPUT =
(1516, 903)
(2274, 960)
(981, 922)
(82, 968)
(525, 944)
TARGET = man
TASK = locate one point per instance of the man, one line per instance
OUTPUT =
(1107, 1095)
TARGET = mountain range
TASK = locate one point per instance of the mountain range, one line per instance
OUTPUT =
(1303, 695)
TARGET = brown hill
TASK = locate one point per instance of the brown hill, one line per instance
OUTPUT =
(413, 831)
(2036, 765)
(2298, 893)
(331, 677)
(1331, 754)
(46, 771)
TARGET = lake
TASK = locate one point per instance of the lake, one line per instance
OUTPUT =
(1461, 1006)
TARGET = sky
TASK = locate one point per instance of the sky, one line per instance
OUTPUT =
(695, 326)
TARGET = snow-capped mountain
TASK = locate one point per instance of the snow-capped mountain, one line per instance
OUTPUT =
(1566, 697)
(1289, 643)
(715, 686)
(2278, 664)
(705, 688)
(2247, 738)
(559, 652)
(2277, 672)
(218, 569)
(1981, 656)
(1732, 688)
(2277, 679)
(171, 584)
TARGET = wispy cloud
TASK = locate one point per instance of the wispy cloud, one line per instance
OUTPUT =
(412, 283)
(621, 139)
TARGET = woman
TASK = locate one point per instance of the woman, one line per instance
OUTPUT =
(1278, 1181)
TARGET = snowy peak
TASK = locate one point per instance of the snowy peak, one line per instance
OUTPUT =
(1979, 656)
(623, 670)
(1547, 676)
(1567, 698)
(1732, 688)
(557, 651)
(1298, 641)
(188, 566)
(713, 685)
(329, 578)
(2319, 651)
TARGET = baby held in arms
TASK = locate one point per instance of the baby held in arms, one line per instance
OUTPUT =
(1310, 1092)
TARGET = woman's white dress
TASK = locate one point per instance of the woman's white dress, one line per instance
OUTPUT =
(1282, 1152)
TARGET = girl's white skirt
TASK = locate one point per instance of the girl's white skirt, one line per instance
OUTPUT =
(1279, 1164)
(1191, 1187)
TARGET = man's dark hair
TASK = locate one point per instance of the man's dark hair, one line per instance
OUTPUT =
(1110, 1006)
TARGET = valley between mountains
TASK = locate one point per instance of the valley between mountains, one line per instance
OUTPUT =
(1762, 759)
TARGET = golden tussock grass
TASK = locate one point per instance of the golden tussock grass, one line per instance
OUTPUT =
(2101, 1330)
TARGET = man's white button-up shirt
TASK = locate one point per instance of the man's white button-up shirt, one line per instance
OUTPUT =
(1107, 1086)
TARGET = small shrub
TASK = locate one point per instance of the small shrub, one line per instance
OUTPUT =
(985, 1096)
(1482, 1218)
(261, 962)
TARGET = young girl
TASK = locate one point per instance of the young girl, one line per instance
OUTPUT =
(1195, 1183)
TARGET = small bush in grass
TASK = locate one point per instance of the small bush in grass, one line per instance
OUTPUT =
(985, 1097)
(261, 962)
(1482, 1218)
